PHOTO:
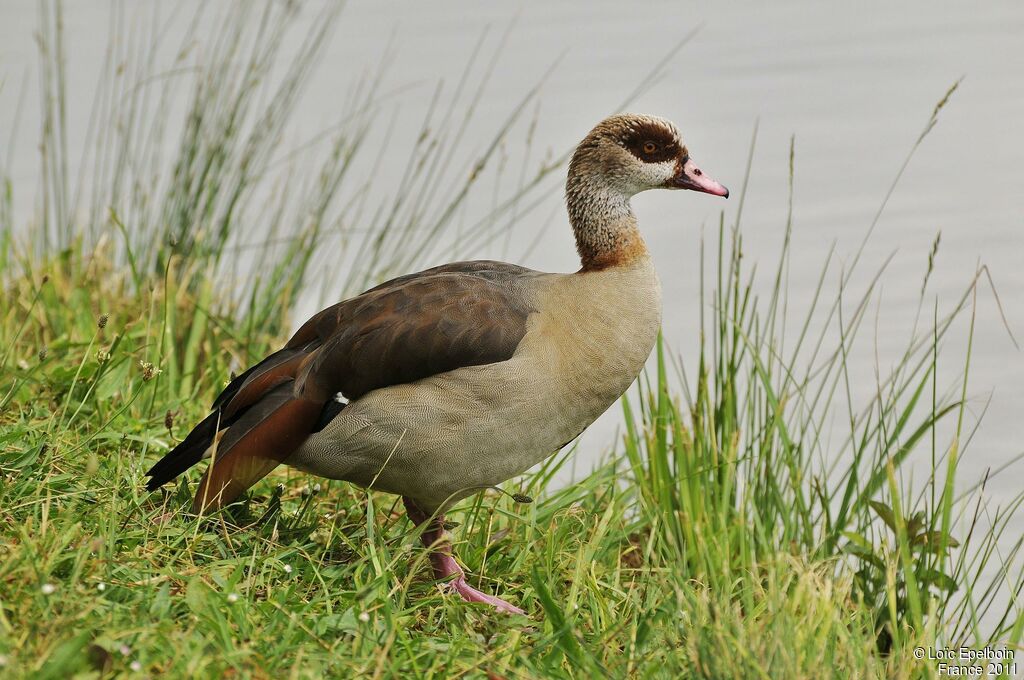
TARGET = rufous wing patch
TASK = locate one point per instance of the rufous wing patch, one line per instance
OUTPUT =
(268, 377)
(258, 442)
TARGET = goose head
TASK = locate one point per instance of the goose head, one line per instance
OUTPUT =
(622, 156)
(629, 153)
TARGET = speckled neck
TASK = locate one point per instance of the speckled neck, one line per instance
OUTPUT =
(603, 223)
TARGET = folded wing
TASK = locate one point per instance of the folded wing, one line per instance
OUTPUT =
(412, 327)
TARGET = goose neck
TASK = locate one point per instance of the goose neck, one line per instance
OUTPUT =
(603, 223)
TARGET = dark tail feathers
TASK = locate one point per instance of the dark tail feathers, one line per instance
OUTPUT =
(185, 454)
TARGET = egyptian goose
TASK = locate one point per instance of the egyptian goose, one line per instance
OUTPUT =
(438, 384)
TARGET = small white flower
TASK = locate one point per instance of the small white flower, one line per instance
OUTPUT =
(232, 597)
(287, 568)
(48, 589)
(125, 650)
(101, 586)
(316, 488)
(364, 616)
(135, 666)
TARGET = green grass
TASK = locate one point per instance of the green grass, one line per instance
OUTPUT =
(754, 520)
(712, 543)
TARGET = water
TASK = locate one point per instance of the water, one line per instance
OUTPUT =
(853, 85)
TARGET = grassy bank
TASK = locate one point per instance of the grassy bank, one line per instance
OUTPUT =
(714, 542)
(734, 530)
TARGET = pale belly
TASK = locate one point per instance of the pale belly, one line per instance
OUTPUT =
(443, 438)
(448, 436)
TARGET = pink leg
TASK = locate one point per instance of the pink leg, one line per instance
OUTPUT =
(445, 566)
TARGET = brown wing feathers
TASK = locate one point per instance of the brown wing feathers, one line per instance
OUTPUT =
(420, 328)
(232, 403)
(255, 444)
(412, 327)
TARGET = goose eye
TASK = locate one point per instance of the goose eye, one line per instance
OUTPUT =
(650, 147)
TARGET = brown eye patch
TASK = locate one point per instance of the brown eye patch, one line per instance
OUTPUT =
(652, 143)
